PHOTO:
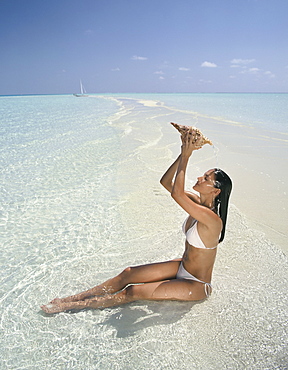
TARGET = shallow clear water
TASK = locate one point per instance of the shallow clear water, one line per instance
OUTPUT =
(81, 200)
(263, 110)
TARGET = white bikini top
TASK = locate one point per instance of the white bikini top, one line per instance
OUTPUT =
(193, 237)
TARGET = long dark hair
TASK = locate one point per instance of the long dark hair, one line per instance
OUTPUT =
(224, 183)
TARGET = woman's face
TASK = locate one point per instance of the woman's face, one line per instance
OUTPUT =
(205, 183)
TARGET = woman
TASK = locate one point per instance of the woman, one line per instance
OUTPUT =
(186, 279)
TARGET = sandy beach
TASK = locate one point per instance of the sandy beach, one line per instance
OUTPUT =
(256, 160)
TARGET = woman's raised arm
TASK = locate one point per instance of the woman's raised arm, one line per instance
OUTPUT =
(201, 212)
(167, 178)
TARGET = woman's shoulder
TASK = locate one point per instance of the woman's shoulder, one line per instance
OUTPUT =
(193, 196)
(214, 224)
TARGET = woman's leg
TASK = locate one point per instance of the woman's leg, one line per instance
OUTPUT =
(180, 290)
(131, 275)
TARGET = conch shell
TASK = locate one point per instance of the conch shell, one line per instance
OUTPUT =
(197, 134)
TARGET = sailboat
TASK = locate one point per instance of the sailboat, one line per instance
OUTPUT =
(82, 92)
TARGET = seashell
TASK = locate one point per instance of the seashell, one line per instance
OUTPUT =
(195, 132)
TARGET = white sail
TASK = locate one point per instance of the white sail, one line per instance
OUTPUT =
(82, 91)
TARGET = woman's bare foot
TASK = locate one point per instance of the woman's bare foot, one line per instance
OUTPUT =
(63, 306)
(64, 300)
(51, 308)
(72, 298)
(57, 301)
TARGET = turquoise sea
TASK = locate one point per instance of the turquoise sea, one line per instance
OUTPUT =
(81, 200)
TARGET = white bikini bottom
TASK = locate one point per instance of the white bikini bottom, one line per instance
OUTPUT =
(184, 274)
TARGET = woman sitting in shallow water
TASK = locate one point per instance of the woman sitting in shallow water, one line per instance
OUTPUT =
(184, 279)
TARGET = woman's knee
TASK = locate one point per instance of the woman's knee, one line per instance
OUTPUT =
(125, 276)
(126, 272)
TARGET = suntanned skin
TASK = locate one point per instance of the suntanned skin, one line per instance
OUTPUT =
(158, 280)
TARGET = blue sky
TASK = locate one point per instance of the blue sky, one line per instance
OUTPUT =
(143, 46)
